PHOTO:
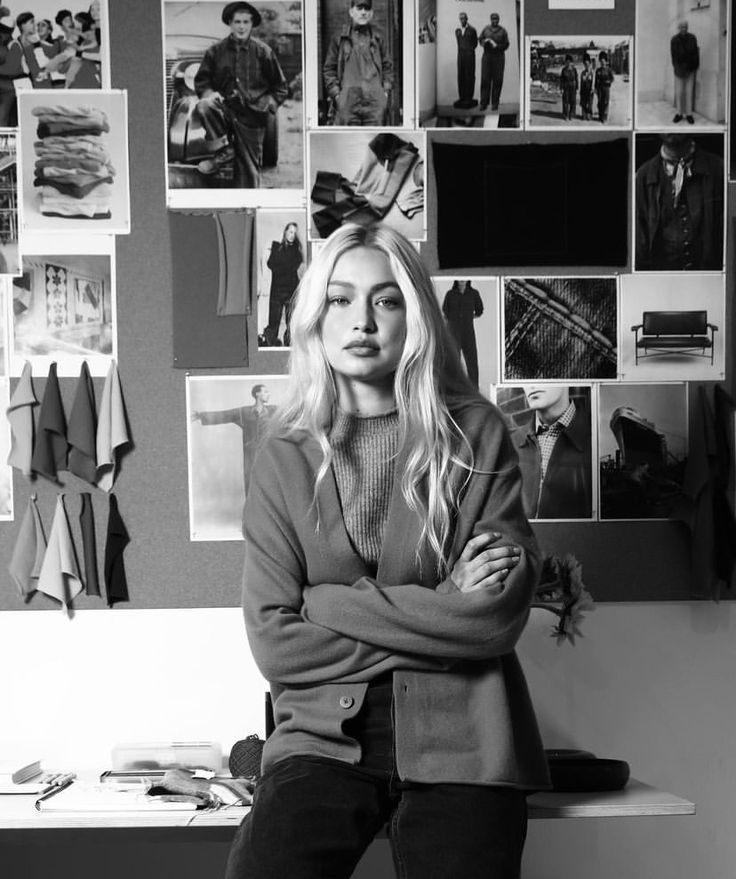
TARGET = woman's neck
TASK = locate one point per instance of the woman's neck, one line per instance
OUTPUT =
(365, 400)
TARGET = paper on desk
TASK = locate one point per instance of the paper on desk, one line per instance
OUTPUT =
(82, 797)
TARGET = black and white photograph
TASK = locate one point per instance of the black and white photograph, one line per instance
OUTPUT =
(673, 327)
(579, 81)
(359, 63)
(681, 64)
(366, 176)
(6, 471)
(226, 418)
(642, 449)
(4, 325)
(281, 243)
(470, 76)
(551, 427)
(233, 139)
(49, 47)
(74, 162)
(470, 307)
(560, 328)
(63, 309)
(9, 250)
(582, 4)
(679, 202)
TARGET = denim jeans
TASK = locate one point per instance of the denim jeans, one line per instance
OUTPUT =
(313, 817)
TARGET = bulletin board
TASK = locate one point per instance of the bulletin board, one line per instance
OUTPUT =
(165, 568)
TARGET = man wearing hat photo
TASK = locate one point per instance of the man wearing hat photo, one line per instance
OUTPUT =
(239, 83)
(358, 70)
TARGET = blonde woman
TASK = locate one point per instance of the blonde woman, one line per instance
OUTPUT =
(388, 573)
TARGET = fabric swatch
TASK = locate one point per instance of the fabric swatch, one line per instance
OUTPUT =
(82, 433)
(20, 418)
(28, 553)
(236, 248)
(89, 544)
(50, 448)
(60, 578)
(116, 583)
(112, 430)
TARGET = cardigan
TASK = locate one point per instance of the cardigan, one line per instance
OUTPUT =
(320, 628)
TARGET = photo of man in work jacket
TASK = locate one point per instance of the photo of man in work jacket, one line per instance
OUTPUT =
(358, 70)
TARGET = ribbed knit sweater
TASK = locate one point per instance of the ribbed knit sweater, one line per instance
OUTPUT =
(364, 459)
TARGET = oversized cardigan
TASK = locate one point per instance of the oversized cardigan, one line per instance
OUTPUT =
(320, 628)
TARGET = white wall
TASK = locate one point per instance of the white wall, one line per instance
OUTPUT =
(653, 684)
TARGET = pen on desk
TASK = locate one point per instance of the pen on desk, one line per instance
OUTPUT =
(59, 785)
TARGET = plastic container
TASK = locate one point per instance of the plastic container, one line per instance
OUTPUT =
(167, 755)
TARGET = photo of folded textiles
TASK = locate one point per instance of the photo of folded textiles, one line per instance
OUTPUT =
(73, 170)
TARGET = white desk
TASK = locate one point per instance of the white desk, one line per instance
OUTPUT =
(19, 815)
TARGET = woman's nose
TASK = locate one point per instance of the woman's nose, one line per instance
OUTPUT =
(364, 320)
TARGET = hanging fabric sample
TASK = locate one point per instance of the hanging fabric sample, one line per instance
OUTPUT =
(112, 430)
(202, 337)
(82, 432)
(73, 170)
(29, 551)
(116, 583)
(60, 578)
(89, 544)
(50, 448)
(530, 204)
(20, 417)
(236, 250)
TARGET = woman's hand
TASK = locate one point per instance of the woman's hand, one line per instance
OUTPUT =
(481, 564)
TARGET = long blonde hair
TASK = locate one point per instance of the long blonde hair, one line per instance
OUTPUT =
(428, 379)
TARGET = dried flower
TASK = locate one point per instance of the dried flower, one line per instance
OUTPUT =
(562, 592)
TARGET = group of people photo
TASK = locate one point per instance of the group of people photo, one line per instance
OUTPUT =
(48, 48)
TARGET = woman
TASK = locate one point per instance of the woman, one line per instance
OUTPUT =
(284, 258)
(380, 600)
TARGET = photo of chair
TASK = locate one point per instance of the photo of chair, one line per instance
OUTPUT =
(674, 332)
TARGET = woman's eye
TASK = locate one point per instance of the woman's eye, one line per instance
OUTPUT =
(389, 302)
(337, 300)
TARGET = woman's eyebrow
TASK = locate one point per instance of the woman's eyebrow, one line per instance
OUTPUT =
(376, 288)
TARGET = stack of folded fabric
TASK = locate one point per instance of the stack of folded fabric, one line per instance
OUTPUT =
(73, 168)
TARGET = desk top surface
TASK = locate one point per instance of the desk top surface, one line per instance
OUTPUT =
(18, 812)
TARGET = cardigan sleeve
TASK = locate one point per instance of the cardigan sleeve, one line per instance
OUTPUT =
(444, 622)
(287, 648)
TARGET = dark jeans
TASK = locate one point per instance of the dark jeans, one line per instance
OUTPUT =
(313, 817)
(246, 132)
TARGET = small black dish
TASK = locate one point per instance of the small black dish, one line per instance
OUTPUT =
(588, 774)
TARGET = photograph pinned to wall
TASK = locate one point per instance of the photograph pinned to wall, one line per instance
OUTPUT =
(54, 48)
(358, 57)
(642, 449)
(281, 243)
(6, 472)
(470, 307)
(74, 161)
(582, 4)
(552, 428)
(579, 81)
(5, 295)
(560, 328)
(63, 306)
(691, 235)
(681, 64)
(9, 250)
(469, 76)
(226, 418)
(673, 327)
(365, 177)
(228, 145)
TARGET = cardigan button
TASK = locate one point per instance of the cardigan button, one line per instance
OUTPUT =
(346, 702)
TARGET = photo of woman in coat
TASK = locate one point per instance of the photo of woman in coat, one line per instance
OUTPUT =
(388, 573)
(284, 259)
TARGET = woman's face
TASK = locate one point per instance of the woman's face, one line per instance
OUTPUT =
(94, 10)
(43, 29)
(290, 233)
(364, 323)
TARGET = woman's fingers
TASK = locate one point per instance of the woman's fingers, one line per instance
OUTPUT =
(478, 543)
